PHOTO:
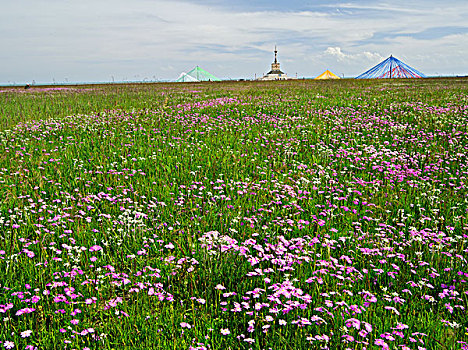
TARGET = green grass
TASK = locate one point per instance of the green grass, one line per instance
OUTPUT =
(330, 202)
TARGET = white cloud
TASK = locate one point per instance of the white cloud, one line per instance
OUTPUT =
(92, 40)
(341, 56)
(336, 51)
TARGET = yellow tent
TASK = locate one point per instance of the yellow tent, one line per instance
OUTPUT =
(327, 75)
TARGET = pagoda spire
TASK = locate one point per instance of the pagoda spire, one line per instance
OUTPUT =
(275, 73)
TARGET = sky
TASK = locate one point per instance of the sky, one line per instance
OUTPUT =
(60, 41)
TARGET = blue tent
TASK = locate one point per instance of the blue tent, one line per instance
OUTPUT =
(391, 68)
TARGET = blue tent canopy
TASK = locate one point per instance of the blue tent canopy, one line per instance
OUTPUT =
(391, 68)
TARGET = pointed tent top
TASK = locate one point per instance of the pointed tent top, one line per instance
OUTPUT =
(327, 75)
(197, 74)
(391, 67)
(202, 75)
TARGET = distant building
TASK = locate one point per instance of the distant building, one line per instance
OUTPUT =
(275, 73)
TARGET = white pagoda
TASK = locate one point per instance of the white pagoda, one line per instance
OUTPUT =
(275, 73)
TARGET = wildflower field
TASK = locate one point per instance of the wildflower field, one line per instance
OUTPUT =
(281, 215)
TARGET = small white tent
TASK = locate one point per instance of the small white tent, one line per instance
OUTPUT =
(185, 78)
(197, 74)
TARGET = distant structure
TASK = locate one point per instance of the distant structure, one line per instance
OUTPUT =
(185, 78)
(392, 67)
(275, 73)
(327, 75)
(196, 75)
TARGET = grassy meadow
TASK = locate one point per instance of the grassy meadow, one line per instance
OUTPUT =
(281, 215)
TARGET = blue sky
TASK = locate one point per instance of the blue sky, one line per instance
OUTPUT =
(101, 40)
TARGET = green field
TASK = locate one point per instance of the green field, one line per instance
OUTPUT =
(253, 215)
